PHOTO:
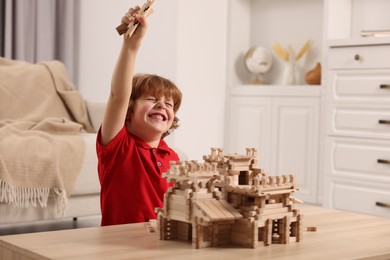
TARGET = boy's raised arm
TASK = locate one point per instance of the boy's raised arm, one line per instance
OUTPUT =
(121, 82)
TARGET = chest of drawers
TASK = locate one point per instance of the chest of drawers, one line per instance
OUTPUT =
(357, 143)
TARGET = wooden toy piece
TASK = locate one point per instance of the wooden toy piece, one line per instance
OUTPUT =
(151, 225)
(229, 200)
(295, 200)
(128, 29)
(311, 229)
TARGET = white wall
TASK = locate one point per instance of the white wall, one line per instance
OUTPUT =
(186, 43)
(201, 72)
(100, 43)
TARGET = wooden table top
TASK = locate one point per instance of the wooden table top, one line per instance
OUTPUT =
(339, 235)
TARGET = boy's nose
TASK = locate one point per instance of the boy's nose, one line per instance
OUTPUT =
(161, 104)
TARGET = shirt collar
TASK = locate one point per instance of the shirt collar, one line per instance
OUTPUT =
(141, 143)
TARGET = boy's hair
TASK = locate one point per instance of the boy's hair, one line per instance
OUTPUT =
(155, 86)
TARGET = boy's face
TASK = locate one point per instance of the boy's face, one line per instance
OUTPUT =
(152, 115)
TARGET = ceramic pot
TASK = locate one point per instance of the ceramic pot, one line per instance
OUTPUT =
(313, 77)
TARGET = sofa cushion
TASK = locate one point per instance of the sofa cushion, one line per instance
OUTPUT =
(88, 180)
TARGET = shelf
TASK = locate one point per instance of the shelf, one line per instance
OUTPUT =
(263, 23)
(276, 91)
(358, 41)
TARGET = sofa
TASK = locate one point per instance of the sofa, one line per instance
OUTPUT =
(77, 193)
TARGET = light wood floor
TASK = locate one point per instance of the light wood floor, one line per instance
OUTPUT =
(42, 226)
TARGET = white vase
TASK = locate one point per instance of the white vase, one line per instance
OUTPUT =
(291, 75)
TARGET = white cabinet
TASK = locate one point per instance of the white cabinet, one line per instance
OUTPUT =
(357, 114)
(283, 124)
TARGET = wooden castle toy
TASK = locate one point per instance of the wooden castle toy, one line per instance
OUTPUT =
(228, 200)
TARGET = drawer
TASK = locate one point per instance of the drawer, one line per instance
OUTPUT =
(359, 159)
(367, 121)
(359, 57)
(369, 85)
(361, 197)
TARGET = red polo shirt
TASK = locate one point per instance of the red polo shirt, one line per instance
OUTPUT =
(130, 177)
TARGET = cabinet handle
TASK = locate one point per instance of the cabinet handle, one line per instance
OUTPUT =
(357, 57)
(384, 86)
(383, 161)
(384, 122)
(381, 204)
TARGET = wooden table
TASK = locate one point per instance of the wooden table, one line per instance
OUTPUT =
(339, 235)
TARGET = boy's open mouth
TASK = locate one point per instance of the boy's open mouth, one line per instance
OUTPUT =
(158, 116)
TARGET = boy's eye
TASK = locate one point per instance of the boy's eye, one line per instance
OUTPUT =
(168, 104)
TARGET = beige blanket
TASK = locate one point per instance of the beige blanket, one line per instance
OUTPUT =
(41, 118)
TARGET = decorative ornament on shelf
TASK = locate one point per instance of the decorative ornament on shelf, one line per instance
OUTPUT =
(258, 61)
(292, 73)
(313, 76)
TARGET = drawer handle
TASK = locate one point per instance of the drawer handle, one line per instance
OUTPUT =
(357, 57)
(384, 86)
(381, 204)
(384, 122)
(383, 161)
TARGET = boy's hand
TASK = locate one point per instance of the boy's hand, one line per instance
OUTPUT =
(132, 18)
(138, 26)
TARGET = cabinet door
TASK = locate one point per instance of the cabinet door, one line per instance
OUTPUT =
(295, 141)
(249, 125)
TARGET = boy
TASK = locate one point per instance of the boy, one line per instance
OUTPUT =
(131, 152)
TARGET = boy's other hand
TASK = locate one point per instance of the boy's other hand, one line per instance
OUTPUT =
(132, 17)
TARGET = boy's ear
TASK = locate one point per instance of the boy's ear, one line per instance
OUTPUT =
(128, 114)
(175, 125)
